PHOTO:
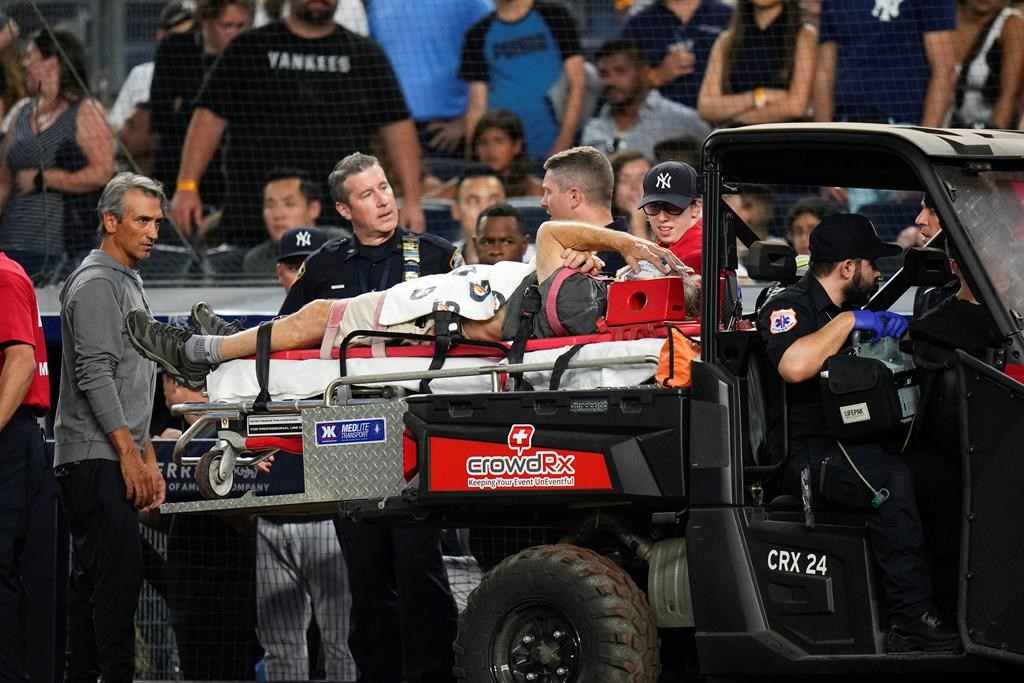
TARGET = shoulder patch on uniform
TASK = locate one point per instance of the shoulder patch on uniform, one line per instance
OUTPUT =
(782, 320)
(456, 260)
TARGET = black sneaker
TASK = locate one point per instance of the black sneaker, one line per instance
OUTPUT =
(165, 345)
(208, 322)
(927, 633)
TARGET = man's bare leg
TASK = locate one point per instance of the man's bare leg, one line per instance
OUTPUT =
(188, 358)
(303, 329)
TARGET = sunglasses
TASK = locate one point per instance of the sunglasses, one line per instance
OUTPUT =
(654, 208)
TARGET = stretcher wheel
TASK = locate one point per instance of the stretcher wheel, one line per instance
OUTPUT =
(208, 479)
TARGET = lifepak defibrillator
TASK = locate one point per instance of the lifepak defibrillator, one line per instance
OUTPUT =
(869, 391)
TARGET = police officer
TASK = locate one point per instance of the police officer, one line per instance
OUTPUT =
(408, 638)
(24, 396)
(802, 327)
(379, 254)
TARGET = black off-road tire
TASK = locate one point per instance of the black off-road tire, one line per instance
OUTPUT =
(557, 607)
(211, 486)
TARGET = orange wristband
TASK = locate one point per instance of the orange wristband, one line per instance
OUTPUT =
(187, 186)
(760, 98)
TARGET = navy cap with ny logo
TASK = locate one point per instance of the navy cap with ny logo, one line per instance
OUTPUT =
(670, 181)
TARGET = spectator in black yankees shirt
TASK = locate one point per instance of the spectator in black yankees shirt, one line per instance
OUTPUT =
(299, 92)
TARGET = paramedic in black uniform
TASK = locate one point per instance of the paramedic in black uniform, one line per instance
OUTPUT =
(379, 254)
(397, 577)
(802, 327)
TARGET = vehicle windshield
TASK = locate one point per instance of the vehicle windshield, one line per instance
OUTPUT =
(990, 205)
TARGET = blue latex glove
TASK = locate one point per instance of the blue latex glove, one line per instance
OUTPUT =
(895, 324)
(879, 323)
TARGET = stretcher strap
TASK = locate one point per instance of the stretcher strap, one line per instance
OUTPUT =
(447, 330)
(377, 344)
(263, 365)
(561, 365)
(531, 306)
(334, 317)
(551, 303)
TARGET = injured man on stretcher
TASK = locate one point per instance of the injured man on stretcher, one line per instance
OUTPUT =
(486, 302)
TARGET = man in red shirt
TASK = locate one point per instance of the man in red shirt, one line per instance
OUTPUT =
(672, 204)
(24, 396)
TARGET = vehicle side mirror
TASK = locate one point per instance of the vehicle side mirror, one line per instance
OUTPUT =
(771, 262)
(926, 266)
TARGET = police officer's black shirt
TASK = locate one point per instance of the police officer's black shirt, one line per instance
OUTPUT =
(799, 310)
(344, 268)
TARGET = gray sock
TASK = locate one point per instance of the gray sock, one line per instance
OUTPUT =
(203, 349)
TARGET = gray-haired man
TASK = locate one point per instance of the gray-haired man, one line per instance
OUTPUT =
(104, 460)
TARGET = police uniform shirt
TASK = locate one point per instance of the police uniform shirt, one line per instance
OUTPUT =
(344, 268)
(799, 310)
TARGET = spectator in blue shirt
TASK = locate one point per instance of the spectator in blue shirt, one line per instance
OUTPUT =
(513, 58)
(422, 40)
(885, 61)
(677, 36)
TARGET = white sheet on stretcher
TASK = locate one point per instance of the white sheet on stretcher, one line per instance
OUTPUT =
(290, 379)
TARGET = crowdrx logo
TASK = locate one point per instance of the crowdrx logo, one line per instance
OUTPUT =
(517, 469)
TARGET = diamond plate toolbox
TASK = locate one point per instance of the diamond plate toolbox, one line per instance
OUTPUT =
(350, 452)
(354, 452)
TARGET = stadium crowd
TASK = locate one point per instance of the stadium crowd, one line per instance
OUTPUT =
(487, 117)
(240, 90)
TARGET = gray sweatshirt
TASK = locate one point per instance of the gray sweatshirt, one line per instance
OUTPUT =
(104, 382)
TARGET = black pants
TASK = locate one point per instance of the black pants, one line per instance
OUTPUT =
(403, 615)
(212, 568)
(894, 528)
(22, 456)
(106, 572)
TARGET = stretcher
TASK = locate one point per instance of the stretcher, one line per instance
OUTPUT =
(345, 417)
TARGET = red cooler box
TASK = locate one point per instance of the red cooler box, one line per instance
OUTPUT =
(645, 301)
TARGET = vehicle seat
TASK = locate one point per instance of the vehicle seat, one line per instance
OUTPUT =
(926, 267)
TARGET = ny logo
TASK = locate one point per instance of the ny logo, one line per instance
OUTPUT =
(664, 181)
(886, 10)
(303, 239)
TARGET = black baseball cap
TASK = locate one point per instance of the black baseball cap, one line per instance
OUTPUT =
(670, 181)
(175, 13)
(844, 236)
(300, 242)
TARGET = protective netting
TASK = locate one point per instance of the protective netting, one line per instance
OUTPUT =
(429, 87)
(268, 104)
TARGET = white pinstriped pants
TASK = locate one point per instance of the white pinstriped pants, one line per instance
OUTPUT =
(300, 574)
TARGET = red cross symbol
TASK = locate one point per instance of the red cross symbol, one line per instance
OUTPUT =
(520, 437)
